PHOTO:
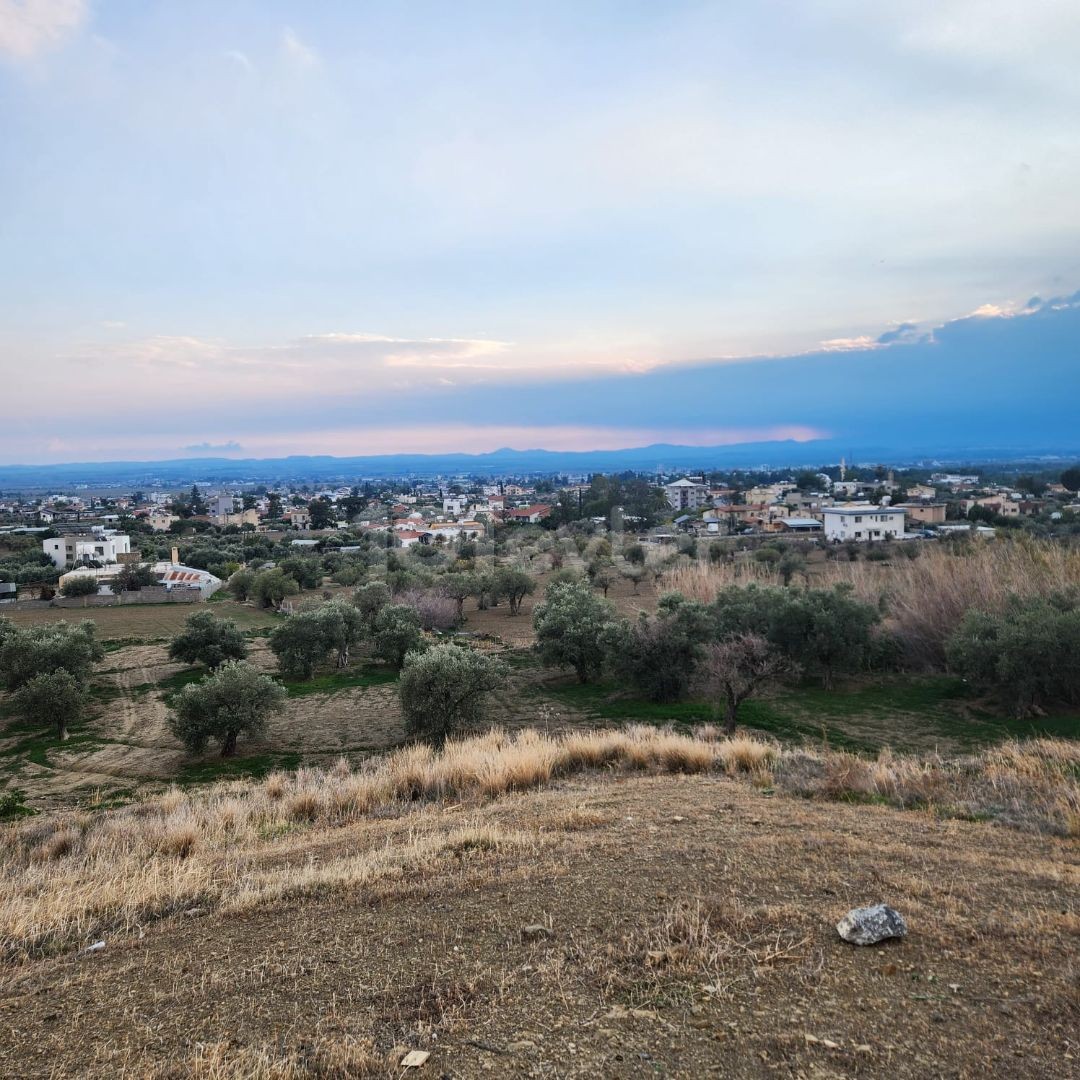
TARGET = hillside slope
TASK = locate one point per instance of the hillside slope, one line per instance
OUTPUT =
(691, 933)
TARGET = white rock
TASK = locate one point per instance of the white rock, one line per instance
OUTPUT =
(869, 925)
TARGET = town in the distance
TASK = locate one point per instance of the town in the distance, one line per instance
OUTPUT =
(101, 545)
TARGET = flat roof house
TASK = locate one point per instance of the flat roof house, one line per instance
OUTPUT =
(77, 549)
(863, 522)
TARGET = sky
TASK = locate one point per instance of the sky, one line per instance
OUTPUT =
(270, 227)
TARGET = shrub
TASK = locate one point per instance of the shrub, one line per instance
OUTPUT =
(1030, 655)
(80, 585)
(444, 688)
(234, 700)
(434, 609)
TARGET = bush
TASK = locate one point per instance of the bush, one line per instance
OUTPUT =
(1030, 654)
(444, 688)
(235, 700)
(80, 585)
(435, 610)
(207, 640)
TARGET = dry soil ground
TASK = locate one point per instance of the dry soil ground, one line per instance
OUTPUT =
(691, 934)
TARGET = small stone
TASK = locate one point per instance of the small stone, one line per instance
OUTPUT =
(414, 1059)
(520, 1047)
(869, 925)
(535, 932)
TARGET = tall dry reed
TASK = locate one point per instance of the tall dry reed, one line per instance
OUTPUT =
(924, 599)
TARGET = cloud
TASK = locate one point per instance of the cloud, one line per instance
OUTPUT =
(31, 27)
(848, 344)
(299, 54)
(230, 447)
(906, 333)
(240, 59)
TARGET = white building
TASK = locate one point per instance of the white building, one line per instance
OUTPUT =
(220, 505)
(863, 522)
(686, 494)
(78, 549)
(174, 575)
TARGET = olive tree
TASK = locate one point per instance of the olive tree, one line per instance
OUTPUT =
(370, 599)
(1029, 655)
(271, 587)
(60, 646)
(234, 700)
(207, 640)
(342, 626)
(515, 585)
(300, 644)
(396, 633)
(569, 625)
(444, 688)
(53, 699)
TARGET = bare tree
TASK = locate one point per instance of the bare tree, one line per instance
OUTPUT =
(733, 669)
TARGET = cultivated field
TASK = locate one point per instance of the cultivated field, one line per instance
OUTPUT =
(143, 621)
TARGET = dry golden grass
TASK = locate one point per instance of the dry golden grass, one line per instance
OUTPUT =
(328, 1059)
(68, 878)
(701, 580)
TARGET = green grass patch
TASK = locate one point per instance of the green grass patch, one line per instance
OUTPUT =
(334, 681)
(903, 711)
(13, 805)
(171, 685)
(604, 701)
(40, 742)
(253, 767)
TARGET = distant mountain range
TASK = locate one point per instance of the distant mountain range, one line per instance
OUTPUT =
(503, 462)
